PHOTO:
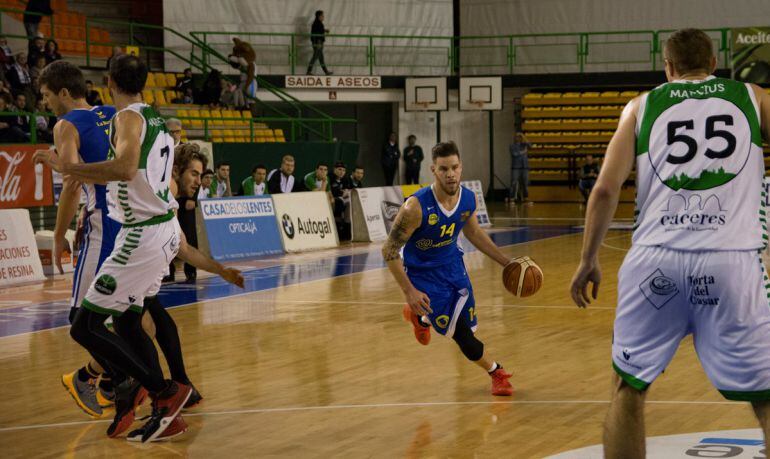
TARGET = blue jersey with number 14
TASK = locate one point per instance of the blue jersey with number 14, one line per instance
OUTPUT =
(434, 243)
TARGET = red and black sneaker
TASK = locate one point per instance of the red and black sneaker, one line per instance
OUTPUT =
(195, 399)
(128, 396)
(175, 429)
(165, 407)
(421, 331)
(500, 383)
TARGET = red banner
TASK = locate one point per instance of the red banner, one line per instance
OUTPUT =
(22, 184)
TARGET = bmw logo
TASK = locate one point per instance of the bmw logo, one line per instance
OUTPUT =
(288, 226)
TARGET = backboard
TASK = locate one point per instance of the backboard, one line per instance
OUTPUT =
(425, 94)
(481, 93)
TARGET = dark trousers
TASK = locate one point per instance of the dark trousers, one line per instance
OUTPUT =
(413, 175)
(519, 179)
(585, 186)
(390, 174)
(318, 55)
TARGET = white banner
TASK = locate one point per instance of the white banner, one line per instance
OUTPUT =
(305, 220)
(481, 207)
(19, 259)
(368, 222)
(332, 82)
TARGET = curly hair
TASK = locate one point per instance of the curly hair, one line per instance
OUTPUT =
(185, 153)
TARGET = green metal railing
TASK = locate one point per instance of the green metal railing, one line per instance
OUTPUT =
(33, 130)
(288, 53)
(210, 124)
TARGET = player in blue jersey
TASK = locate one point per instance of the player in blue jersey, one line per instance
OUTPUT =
(431, 273)
(81, 135)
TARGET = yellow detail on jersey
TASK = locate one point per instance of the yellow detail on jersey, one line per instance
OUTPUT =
(432, 219)
(448, 231)
(442, 321)
(472, 313)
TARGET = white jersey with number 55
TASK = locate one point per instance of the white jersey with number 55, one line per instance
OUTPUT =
(147, 197)
(700, 167)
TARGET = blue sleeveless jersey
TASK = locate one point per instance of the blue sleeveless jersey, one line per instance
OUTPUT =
(93, 127)
(434, 243)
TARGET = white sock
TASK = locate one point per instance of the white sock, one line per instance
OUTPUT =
(493, 367)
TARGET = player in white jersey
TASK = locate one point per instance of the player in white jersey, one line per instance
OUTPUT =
(694, 265)
(138, 170)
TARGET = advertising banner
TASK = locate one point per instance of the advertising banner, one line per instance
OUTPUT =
(22, 183)
(750, 60)
(481, 207)
(19, 259)
(306, 221)
(367, 219)
(239, 227)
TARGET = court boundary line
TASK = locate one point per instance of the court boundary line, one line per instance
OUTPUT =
(293, 285)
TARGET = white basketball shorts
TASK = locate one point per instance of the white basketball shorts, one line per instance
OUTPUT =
(721, 297)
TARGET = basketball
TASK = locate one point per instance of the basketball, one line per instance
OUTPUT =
(522, 277)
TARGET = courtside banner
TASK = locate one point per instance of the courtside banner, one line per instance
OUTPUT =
(481, 207)
(367, 219)
(19, 259)
(240, 227)
(22, 183)
(306, 221)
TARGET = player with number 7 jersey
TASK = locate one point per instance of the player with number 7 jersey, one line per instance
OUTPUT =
(146, 198)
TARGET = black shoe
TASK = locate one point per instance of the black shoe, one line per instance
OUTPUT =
(194, 400)
(167, 279)
(190, 277)
(128, 396)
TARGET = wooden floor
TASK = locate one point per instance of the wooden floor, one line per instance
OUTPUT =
(329, 369)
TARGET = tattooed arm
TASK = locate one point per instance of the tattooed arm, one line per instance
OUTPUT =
(407, 221)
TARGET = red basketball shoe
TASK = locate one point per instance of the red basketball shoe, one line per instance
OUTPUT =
(500, 383)
(421, 331)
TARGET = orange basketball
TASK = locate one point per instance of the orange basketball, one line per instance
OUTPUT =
(522, 277)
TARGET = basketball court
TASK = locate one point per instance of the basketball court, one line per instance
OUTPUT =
(314, 358)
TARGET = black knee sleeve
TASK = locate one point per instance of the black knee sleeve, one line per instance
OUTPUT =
(471, 347)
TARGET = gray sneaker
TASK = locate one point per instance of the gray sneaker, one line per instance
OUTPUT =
(84, 394)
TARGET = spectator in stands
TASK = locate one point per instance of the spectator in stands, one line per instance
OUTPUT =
(92, 95)
(36, 48)
(33, 14)
(205, 189)
(174, 127)
(20, 105)
(39, 65)
(220, 186)
(413, 157)
(187, 97)
(357, 178)
(116, 51)
(231, 96)
(18, 75)
(389, 160)
(5, 91)
(44, 123)
(519, 169)
(9, 131)
(318, 180)
(6, 54)
(317, 38)
(255, 184)
(282, 180)
(51, 51)
(588, 174)
(186, 82)
(212, 89)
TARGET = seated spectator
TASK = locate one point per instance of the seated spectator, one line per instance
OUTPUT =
(92, 95)
(9, 131)
(185, 83)
(212, 89)
(51, 51)
(231, 97)
(282, 180)
(44, 123)
(174, 127)
(206, 179)
(18, 75)
(255, 185)
(116, 51)
(6, 55)
(39, 65)
(356, 178)
(36, 48)
(588, 174)
(318, 180)
(220, 186)
(20, 105)
(187, 97)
